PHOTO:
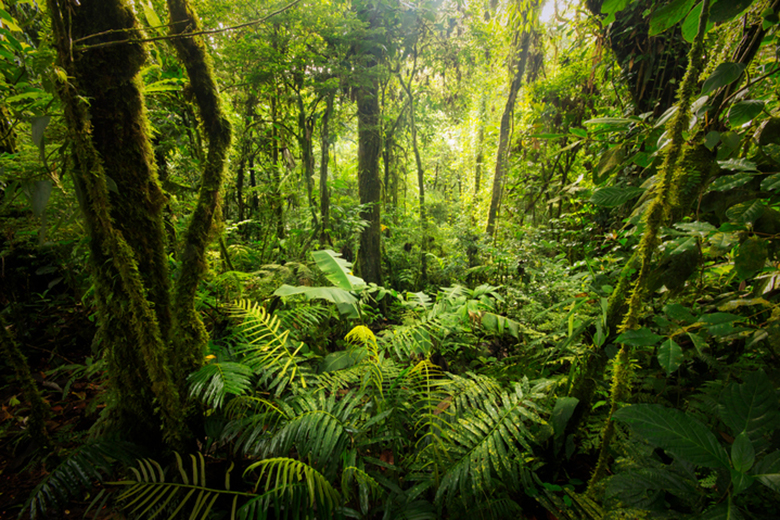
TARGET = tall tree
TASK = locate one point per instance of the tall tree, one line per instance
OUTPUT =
(519, 60)
(127, 242)
(369, 55)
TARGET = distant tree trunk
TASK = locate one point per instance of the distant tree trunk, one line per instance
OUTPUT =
(420, 175)
(502, 157)
(277, 207)
(480, 158)
(305, 136)
(369, 183)
(191, 335)
(127, 241)
(245, 150)
(324, 158)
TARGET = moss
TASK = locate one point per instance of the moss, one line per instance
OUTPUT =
(191, 336)
(144, 394)
(620, 392)
(660, 208)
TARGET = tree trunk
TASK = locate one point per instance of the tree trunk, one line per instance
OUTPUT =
(305, 134)
(191, 336)
(502, 158)
(369, 183)
(276, 201)
(127, 243)
(420, 177)
(324, 158)
(480, 158)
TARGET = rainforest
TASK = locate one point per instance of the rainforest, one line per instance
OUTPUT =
(389, 259)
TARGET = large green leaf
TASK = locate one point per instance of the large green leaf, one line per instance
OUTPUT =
(725, 10)
(669, 15)
(723, 74)
(771, 183)
(744, 111)
(643, 337)
(729, 182)
(750, 257)
(691, 23)
(767, 471)
(743, 455)
(750, 407)
(612, 197)
(670, 356)
(345, 302)
(682, 436)
(337, 270)
(746, 212)
(562, 412)
(725, 511)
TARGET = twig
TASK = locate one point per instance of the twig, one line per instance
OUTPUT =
(176, 36)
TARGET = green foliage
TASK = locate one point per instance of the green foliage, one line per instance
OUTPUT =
(77, 473)
(150, 495)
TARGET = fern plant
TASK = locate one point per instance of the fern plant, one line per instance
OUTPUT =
(150, 495)
(77, 473)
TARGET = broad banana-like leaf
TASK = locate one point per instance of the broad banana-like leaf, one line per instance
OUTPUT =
(337, 270)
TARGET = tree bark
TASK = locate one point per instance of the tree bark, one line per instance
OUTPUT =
(420, 176)
(127, 242)
(369, 183)
(324, 159)
(502, 157)
(191, 336)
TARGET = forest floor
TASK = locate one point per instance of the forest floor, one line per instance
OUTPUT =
(59, 341)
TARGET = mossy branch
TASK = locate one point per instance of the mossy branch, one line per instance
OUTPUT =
(661, 206)
(118, 277)
(191, 337)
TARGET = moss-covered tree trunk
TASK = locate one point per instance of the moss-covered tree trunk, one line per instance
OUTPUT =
(502, 156)
(127, 244)
(190, 339)
(369, 184)
(324, 159)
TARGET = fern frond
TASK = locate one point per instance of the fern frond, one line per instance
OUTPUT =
(303, 317)
(484, 445)
(251, 420)
(414, 340)
(319, 428)
(77, 473)
(471, 390)
(291, 486)
(150, 496)
(267, 351)
(213, 381)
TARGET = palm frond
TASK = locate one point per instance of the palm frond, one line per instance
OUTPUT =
(77, 473)
(485, 445)
(150, 496)
(290, 488)
(212, 382)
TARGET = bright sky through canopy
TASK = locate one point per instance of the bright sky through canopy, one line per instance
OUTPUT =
(547, 11)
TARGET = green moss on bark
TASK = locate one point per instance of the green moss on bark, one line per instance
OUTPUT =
(191, 336)
(130, 278)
